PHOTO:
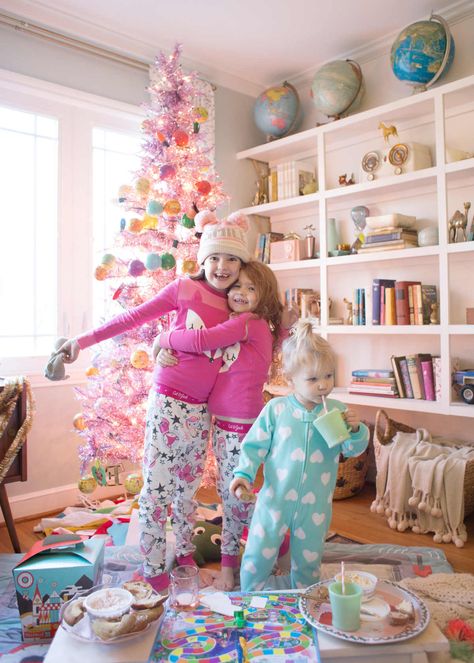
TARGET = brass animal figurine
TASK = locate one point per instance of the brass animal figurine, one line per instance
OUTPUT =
(388, 131)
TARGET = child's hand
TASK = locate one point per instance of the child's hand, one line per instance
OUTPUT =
(166, 358)
(352, 419)
(241, 489)
(70, 350)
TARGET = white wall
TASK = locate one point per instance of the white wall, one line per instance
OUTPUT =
(53, 465)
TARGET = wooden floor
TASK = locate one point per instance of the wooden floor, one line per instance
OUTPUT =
(351, 518)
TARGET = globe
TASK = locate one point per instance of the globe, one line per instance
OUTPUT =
(423, 52)
(276, 111)
(337, 88)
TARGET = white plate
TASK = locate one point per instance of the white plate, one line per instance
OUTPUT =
(373, 631)
(82, 630)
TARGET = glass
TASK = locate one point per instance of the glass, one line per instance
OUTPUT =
(184, 587)
(345, 607)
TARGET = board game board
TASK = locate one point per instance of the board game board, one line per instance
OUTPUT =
(278, 630)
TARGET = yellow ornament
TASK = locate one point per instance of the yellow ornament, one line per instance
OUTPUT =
(142, 185)
(135, 225)
(140, 359)
(92, 370)
(133, 483)
(200, 114)
(150, 222)
(78, 422)
(87, 484)
(101, 272)
(172, 208)
(187, 266)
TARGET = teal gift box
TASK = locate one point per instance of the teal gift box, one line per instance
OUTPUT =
(49, 575)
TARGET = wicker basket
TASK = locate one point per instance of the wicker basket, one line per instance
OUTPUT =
(386, 428)
(351, 474)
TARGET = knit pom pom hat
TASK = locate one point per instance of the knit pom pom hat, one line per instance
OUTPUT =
(222, 236)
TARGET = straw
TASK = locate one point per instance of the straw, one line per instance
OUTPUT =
(323, 398)
(343, 583)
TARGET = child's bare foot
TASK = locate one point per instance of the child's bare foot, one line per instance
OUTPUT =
(226, 580)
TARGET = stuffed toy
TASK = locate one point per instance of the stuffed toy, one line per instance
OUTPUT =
(55, 369)
(207, 539)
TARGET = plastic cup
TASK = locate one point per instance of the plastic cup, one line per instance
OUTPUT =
(332, 427)
(345, 607)
(184, 587)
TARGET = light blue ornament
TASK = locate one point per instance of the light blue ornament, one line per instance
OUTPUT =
(154, 207)
(153, 262)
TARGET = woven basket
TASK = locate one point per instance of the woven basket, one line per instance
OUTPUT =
(351, 474)
(386, 428)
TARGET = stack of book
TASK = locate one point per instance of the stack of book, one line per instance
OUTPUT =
(402, 302)
(386, 239)
(291, 179)
(417, 376)
(262, 248)
(374, 382)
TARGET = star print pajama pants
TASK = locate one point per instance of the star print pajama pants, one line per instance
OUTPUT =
(176, 438)
(227, 437)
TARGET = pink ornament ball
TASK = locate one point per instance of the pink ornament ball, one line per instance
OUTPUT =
(136, 268)
(203, 187)
(167, 171)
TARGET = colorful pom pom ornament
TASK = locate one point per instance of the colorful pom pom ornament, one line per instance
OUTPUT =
(203, 187)
(201, 114)
(186, 222)
(142, 185)
(181, 138)
(108, 259)
(154, 207)
(135, 225)
(136, 268)
(91, 371)
(78, 421)
(153, 262)
(101, 272)
(167, 171)
(172, 208)
(139, 359)
(167, 261)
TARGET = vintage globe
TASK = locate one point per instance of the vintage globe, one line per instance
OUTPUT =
(337, 88)
(276, 111)
(423, 52)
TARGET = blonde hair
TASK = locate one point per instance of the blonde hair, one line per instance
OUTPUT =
(269, 306)
(304, 347)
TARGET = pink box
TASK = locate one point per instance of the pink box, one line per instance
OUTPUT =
(288, 250)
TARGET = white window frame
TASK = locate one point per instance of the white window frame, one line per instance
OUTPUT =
(78, 113)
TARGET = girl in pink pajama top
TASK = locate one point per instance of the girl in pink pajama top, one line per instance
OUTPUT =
(247, 343)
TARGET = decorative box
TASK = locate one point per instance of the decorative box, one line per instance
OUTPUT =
(49, 575)
(288, 250)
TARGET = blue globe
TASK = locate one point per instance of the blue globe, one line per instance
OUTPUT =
(418, 52)
(276, 111)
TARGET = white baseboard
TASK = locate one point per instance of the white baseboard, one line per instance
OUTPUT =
(29, 505)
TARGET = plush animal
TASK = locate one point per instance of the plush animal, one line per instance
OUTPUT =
(55, 369)
(207, 539)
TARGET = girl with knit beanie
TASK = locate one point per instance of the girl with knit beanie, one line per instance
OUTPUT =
(178, 420)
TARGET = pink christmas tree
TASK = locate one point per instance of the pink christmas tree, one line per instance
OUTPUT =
(157, 242)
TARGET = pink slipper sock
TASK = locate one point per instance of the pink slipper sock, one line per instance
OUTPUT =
(185, 560)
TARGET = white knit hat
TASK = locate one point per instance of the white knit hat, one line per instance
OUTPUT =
(222, 236)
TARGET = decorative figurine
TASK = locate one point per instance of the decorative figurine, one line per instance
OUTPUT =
(261, 194)
(434, 315)
(310, 241)
(343, 181)
(349, 312)
(388, 131)
(454, 223)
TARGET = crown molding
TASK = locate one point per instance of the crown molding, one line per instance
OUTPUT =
(453, 14)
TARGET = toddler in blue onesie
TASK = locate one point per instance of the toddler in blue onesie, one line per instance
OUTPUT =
(300, 469)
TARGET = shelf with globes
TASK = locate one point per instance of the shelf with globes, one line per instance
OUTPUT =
(440, 120)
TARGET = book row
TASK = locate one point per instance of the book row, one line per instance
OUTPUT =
(291, 179)
(412, 376)
(403, 303)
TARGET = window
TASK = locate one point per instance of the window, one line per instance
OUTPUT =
(63, 154)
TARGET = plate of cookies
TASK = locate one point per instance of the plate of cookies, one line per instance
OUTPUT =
(391, 615)
(107, 613)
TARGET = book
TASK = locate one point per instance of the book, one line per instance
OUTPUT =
(398, 375)
(377, 238)
(370, 380)
(417, 304)
(411, 306)
(436, 361)
(426, 364)
(367, 389)
(406, 378)
(402, 307)
(373, 393)
(376, 297)
(373, 373)
(414, 376)
(429, 296)
(269, 238)
(390, 315)
(387, 246)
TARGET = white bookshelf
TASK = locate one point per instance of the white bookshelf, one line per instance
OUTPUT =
(440, 118)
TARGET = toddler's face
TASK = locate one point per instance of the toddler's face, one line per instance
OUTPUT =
(221, 270)
(311, 382)
(243, 295)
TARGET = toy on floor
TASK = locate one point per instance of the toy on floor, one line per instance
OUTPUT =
(207, 539)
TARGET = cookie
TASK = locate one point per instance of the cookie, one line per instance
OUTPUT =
(74, 612)
(139, 588)
(149, 602)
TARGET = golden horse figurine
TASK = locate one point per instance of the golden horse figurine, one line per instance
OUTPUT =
(388, 131)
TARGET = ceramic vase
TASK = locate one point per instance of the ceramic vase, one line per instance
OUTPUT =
(332, 235)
